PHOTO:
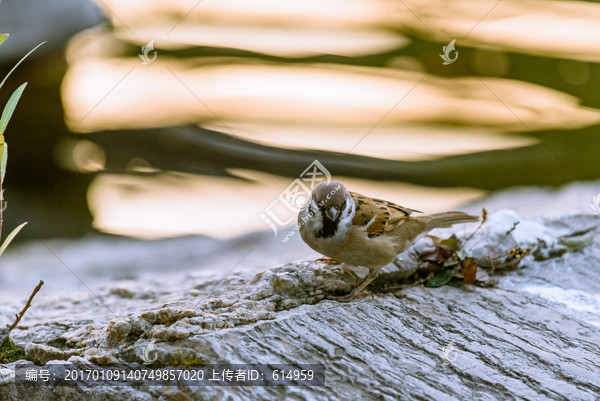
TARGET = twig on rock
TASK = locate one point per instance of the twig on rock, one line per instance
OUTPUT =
(18, 316)
(483, 220)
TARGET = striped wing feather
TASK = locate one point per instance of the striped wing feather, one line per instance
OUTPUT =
(377, 215)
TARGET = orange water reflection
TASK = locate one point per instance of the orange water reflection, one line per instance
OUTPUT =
(268, 90)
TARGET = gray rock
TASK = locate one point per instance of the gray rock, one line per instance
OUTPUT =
(534, 336)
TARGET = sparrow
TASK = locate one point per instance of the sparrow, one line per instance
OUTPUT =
(361, 231)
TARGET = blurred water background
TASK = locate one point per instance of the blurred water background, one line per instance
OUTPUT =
(156, 119)
(241, 98)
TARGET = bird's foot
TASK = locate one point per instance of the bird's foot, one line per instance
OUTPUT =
(358, 290)
(328, 260)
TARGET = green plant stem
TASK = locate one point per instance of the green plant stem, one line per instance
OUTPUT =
(20, 61)
(1, 208)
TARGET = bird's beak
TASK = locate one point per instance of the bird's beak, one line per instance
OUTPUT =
(331, 213)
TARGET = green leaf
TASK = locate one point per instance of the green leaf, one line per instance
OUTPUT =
(10, 107)
(439, 279)
(10, 237)
(16, 65)
(4, 156)
(3, 37)
(450, 243)
(462, 254)
(450, 262)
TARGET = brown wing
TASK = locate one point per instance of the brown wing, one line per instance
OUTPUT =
(377, 215)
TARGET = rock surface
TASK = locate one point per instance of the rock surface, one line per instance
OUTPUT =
(534, 336)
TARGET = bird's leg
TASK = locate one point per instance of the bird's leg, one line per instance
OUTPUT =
(349, 297)
(327, 259)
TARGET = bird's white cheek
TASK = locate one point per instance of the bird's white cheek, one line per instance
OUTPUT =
(310, 222)
(345, 223)
(348, 212)
(314, 224)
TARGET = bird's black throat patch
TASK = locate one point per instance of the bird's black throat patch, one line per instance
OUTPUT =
(328, 229)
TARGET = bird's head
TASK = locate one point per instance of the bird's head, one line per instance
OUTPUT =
(331, 198)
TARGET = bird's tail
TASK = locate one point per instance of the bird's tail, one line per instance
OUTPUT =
(446, 219)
